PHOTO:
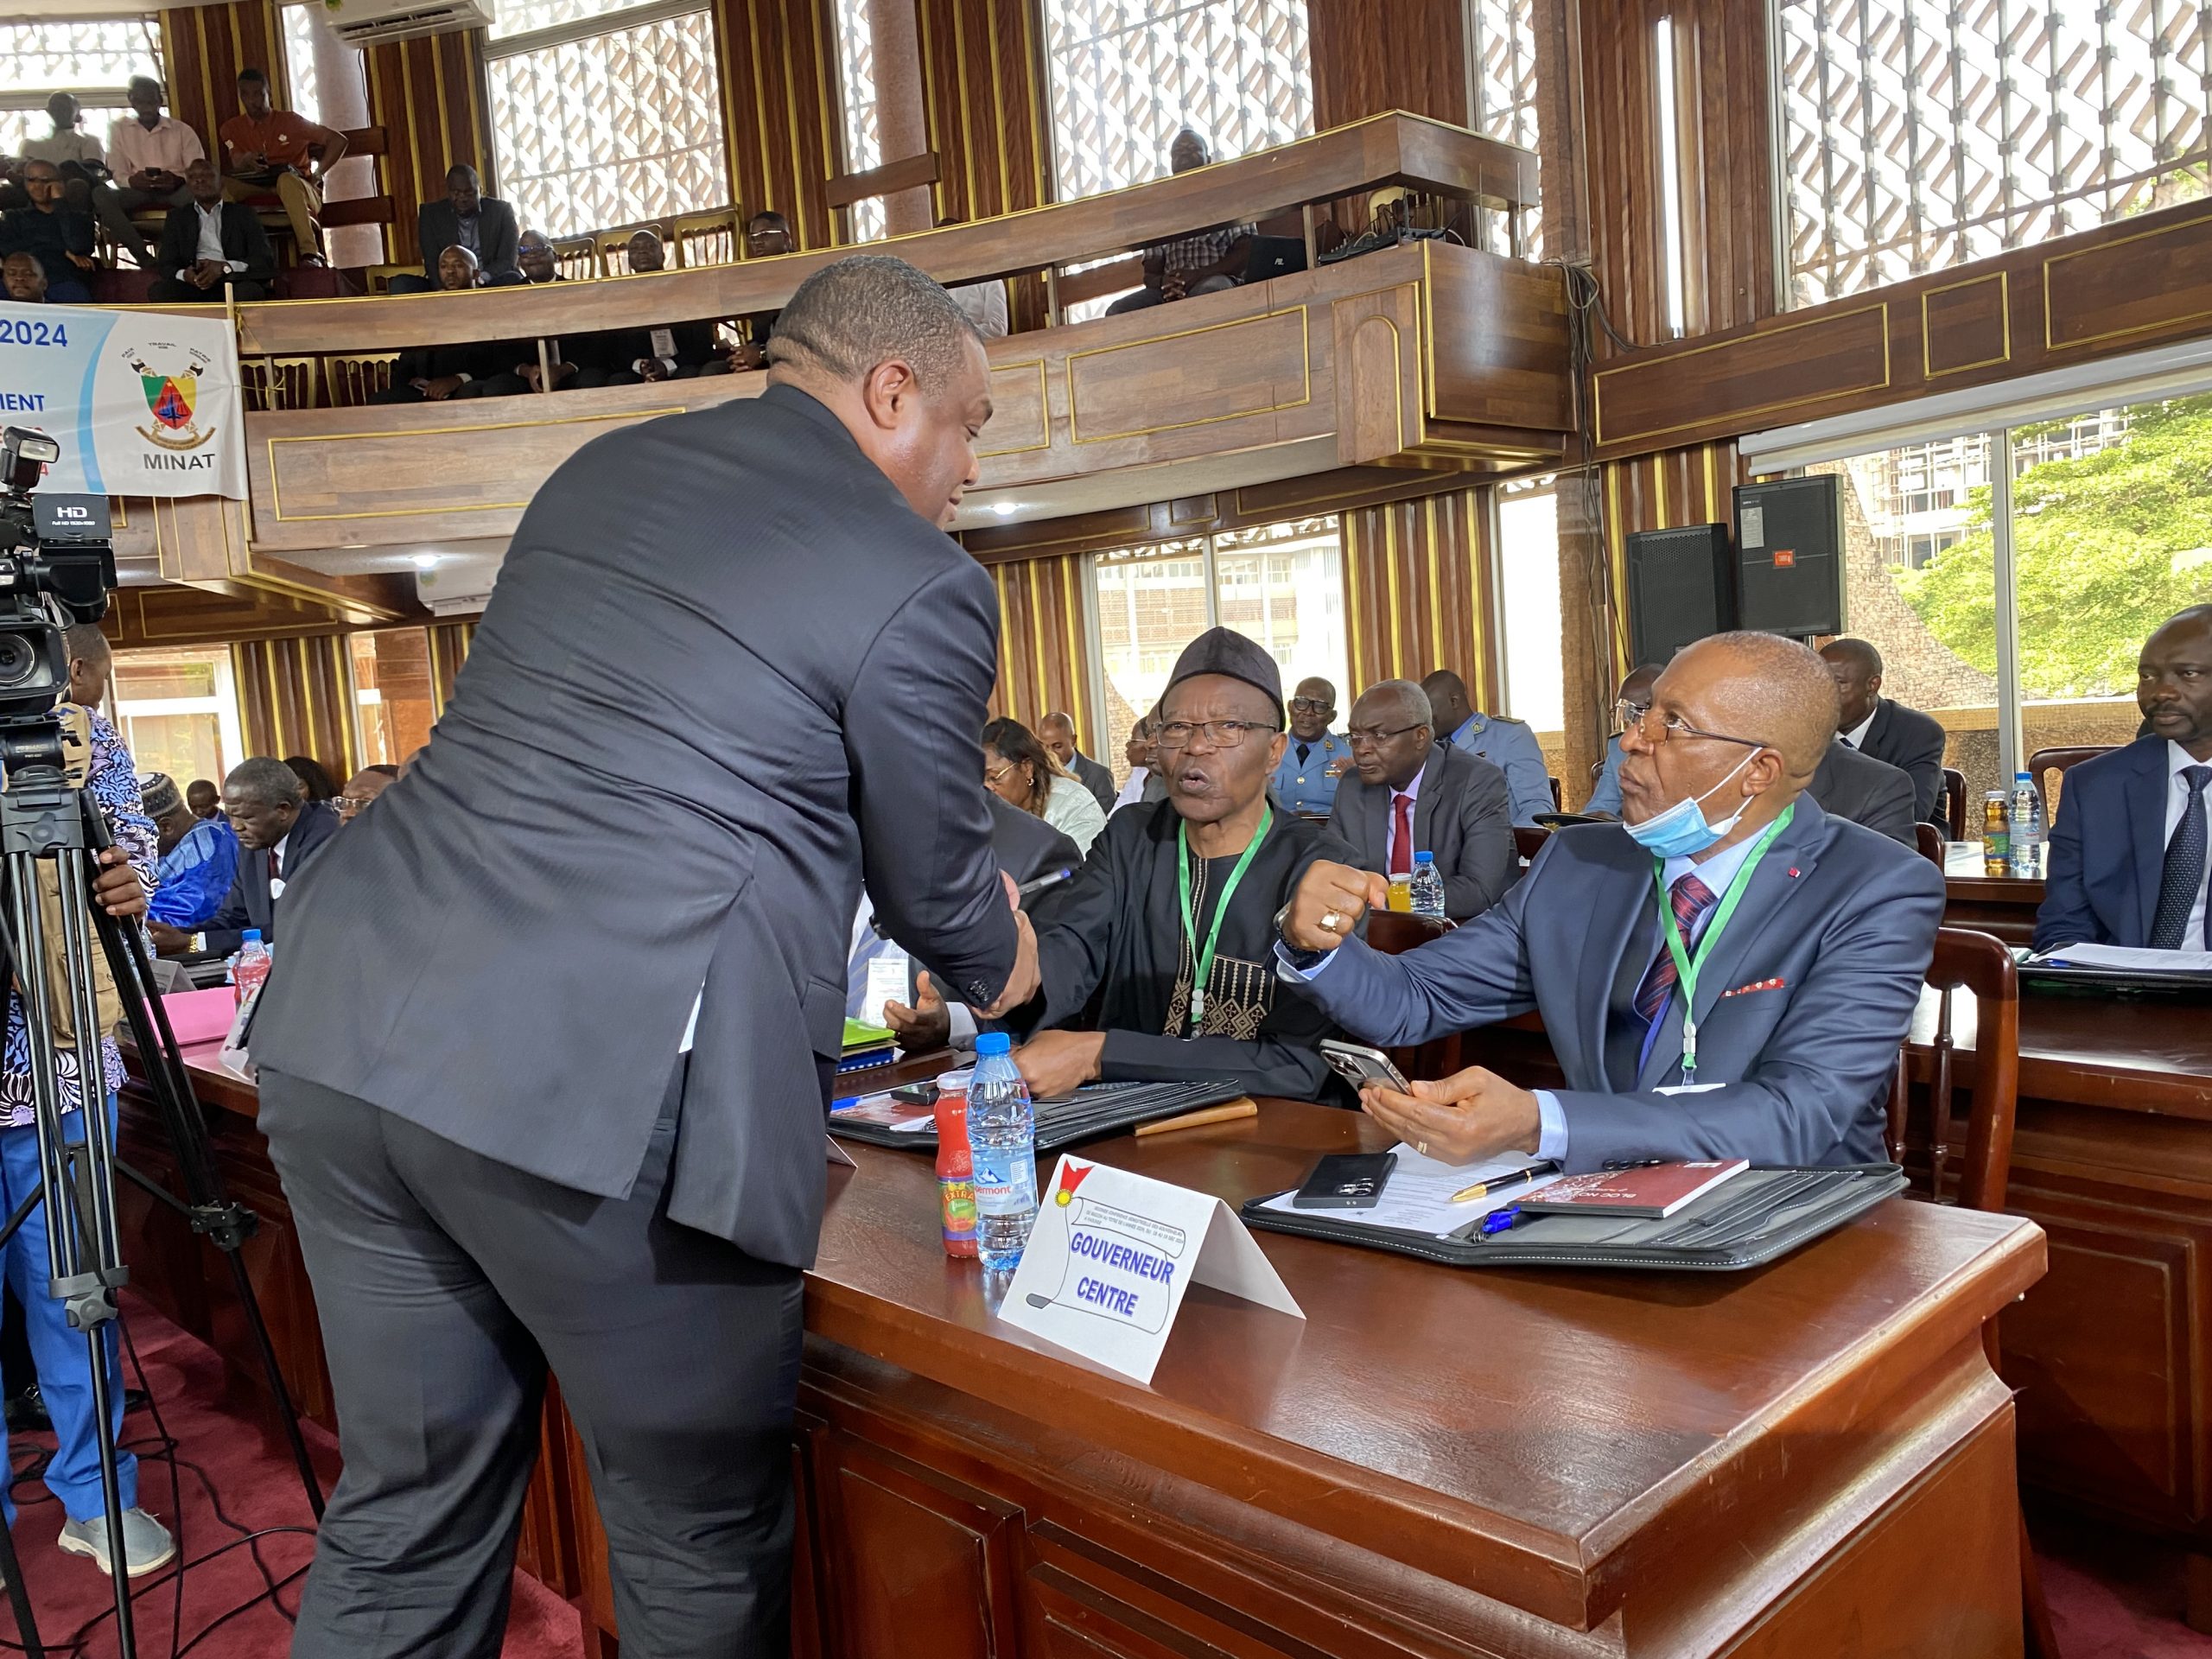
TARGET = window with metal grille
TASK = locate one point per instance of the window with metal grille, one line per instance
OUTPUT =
(1920, 134)
(1502, 90)
(598, 128)
(1126, 73)
(94, 58)
(856, 80)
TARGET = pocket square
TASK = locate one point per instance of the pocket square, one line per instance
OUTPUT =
(1756, 985)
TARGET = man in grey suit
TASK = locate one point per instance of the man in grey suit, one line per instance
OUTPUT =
(548, 1089)
(1850, 784)
(1885, 728)
(1408, 793)
(465, 217)
(1800, 943)
(1057, 733)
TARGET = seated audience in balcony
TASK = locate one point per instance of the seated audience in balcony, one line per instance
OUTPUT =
(267, 151)
(87, 184)
(466, 217)
(211, 244)
(677, 351)
(149, 152)
(23, 278)
(536, 260)
(470, 368)
(58, 235)
(984, 303)
(534, 257)
(767, 235)
(1204, 263)
(200, 858)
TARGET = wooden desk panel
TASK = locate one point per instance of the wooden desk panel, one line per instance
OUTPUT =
(1432, 1463)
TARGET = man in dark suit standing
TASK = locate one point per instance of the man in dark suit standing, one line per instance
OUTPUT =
(466, 217)
(1057, 733)
(2132, 845)
(1857, 786)
(1876, 725)
(1409, 794)
(547, 1088)
(1727, 972)
(277, 831)
(210, 245)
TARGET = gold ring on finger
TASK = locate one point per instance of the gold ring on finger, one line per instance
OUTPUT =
(1422, 1147)
(1329, 920)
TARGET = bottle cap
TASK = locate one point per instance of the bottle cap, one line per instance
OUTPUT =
(993, 1042)
(1424, 858)
(2023, 778)
(252, 936)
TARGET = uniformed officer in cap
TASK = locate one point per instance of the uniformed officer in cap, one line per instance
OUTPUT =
(1508, 744)
(1315, 757)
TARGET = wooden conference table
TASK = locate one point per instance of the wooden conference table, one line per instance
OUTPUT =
(1433, 1463)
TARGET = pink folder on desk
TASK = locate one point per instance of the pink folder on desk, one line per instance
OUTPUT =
(201, 1016)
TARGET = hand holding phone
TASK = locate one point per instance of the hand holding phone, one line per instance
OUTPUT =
(1360, 1065)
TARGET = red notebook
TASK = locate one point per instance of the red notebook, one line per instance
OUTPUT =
(1656, 1190)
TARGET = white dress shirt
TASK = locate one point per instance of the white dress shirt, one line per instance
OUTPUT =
(211, 244)
(1856, 737)
(1132, 791)
(2177, 759)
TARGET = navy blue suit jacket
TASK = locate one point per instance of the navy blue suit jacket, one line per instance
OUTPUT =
(1800, 1010)
(2107, 850)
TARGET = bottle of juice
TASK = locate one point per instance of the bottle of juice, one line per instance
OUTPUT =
(955, 1177)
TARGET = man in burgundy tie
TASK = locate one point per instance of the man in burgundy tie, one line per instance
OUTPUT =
(277, 831)
(1408, 793)
(1727, 972)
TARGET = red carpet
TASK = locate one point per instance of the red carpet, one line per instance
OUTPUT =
(2112, 1596)
(249, 1468)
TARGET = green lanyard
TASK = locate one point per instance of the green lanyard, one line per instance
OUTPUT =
(1685, 965)
(1202, 967)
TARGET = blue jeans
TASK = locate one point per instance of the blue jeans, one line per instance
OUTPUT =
(64, 1377)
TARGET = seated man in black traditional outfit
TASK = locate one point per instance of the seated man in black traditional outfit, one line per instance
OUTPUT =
(1156, 958)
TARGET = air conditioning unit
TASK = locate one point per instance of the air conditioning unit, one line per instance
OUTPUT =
(370, 22)
(460, 584)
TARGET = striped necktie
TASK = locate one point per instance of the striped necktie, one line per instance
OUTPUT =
(1692, 898)
(2184, 870)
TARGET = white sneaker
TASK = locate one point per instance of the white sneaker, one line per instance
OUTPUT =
(147, 1545)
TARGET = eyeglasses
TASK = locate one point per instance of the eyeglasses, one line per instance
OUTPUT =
(992, 774)
(1312, 705)
(1222, 734)
(1371, 737)
(1637, 719)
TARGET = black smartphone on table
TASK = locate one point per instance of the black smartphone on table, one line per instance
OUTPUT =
(1347, 1181)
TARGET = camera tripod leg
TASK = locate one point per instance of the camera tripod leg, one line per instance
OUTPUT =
(19, 1598)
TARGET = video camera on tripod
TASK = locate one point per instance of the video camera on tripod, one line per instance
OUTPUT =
(57, 568)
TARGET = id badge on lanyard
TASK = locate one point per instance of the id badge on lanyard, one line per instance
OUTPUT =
(1687, 965)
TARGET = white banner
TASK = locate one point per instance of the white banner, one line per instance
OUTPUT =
(143, 403)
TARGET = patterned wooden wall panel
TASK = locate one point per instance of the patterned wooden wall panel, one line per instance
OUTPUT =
(1044, 664)
(297, 697)
(205, 46)
(449, 643)
(1417, 583)
(983, 79)
(428, 96)
(1369, 58)
(779, 109)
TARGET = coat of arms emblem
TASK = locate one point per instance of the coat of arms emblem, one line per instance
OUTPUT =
(172, 395)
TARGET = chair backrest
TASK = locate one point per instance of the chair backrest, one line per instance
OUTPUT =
(705, 239)
(1557, 797)
(1979, 964)
(2058, 760)
(280, 383)
(1955, 801)
(576, 257)
(614, 246)
(354, 378)
(1931, 843)
(1393, 933)
(1528, 839)
(380, 276)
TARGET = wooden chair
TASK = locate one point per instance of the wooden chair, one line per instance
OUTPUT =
(1981, 965)
(278, 383)
(1528, 839)
(1931, 843)
(2058, 760)
(1558, 799)
(704, 238)
(1955, 801)
(380, 276)
(1394, 933)
(613, 245)
(354, 378)
(576, 257)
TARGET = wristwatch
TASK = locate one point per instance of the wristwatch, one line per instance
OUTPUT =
(1304, 961)
(199, 946)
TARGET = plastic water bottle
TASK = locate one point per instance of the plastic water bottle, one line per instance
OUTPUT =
(251, 967)
(2027, 848)
(1427, 887)
(1002, 1153)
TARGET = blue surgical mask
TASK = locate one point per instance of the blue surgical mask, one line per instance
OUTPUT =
(1683, 830)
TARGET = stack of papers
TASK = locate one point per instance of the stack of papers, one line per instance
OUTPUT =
(2125, 959)
(1418, 1197)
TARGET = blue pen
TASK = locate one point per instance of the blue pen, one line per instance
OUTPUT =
(1499, 1221)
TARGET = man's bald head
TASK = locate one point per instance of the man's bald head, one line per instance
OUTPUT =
(1759, 686)
(1392, 732)
(1636, 688)
(1447, 697)
(1057, 733)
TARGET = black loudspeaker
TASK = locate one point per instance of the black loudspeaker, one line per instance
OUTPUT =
(1681, 587)
(1789, 555)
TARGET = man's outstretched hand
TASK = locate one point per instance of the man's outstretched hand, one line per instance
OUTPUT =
(1330, 900)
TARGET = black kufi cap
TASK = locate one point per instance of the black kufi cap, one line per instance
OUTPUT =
(1224, 651)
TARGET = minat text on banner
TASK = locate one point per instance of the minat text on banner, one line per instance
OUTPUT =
(142, 403)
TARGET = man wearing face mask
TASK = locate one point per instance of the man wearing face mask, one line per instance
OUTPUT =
(1727, 973)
